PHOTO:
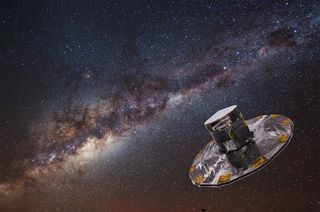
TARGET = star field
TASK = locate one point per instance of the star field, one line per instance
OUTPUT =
(102, 103)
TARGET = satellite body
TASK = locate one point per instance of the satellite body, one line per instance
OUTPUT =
(239, 147)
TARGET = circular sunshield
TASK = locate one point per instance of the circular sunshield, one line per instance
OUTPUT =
(271, 133)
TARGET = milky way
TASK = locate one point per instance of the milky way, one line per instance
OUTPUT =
(89, 110)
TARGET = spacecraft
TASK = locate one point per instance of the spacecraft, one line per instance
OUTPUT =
(239, 147)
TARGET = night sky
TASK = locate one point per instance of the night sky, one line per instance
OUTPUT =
(102, 103)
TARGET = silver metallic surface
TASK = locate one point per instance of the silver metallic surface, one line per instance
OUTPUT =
(271, 134)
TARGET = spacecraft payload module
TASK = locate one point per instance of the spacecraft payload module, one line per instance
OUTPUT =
(239, 147)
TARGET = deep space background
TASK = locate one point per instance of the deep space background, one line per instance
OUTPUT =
(102, 103)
